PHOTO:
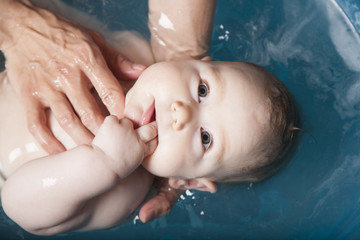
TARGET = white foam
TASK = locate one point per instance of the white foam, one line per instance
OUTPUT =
(343, 35)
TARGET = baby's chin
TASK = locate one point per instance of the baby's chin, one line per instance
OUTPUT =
(151, 164)
(146, 163)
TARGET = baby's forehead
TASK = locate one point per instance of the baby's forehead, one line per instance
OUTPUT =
(244, 119)
(242, 78)
(247, 70)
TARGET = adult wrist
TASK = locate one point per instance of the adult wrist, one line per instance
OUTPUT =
(172, 52)
(180, 32)
(167, 46)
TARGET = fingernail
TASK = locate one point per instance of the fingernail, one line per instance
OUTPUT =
(59, 150)
(138, 67)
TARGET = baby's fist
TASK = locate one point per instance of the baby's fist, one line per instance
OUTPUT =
(124, 147)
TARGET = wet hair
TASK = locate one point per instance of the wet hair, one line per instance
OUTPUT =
(271, 154)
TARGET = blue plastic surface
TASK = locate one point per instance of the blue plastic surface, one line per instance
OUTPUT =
(313, 46)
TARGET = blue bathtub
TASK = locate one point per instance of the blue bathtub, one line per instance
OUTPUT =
(313, 46)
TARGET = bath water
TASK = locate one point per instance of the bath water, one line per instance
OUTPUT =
(314, 48)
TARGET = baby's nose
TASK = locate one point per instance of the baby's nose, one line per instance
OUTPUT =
(181, 114)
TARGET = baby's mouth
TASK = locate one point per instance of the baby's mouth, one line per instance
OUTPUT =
(153, 117)
(148, 116)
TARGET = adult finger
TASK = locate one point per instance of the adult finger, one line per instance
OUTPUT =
(68, 120)
(37, 125)
(121, 67)
(106, 85)
(86, 108)
(161, 204)
(124, 68)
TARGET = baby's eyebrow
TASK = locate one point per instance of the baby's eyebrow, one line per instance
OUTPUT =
(219, 82)
(221, 145)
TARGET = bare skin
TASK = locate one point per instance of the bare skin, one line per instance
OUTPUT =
(44, 77)
(182, 31)
(99, 185)
(39, 90)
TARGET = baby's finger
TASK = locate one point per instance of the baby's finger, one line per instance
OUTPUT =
(110, 120)
(68, 120)
(106, 133)
(37, 125)
(147, 132)
(150, 147)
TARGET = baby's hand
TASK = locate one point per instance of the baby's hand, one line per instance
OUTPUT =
(124, 147)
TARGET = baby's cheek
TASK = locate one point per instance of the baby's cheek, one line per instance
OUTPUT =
(133, 113)
(162, 163)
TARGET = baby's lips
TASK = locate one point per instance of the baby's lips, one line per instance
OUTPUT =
(146, 118)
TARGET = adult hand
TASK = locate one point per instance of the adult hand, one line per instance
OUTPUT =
(53, 63)
(162, 203)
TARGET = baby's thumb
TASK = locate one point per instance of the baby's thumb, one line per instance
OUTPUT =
(148, 134)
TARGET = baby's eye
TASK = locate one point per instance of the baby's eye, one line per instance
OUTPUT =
(206, 139)
(202, 91)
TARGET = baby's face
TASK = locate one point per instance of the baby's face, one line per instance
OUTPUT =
(210, 116)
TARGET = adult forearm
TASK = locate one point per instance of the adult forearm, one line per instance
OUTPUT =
(180, 29)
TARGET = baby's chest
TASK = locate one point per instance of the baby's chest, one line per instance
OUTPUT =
(16, 143)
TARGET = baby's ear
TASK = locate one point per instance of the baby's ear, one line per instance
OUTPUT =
(201, 184)
(206, 59)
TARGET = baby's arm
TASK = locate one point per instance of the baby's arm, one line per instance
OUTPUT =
(53, 190)
(111, 138)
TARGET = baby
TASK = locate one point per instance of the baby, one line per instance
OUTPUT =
(194, 122)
